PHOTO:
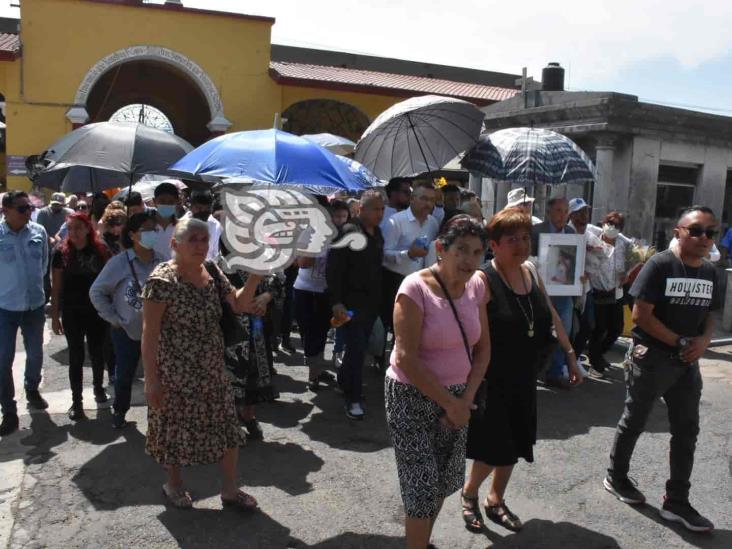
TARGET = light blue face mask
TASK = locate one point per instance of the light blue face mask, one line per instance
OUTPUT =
(166, 211)
(148, 239)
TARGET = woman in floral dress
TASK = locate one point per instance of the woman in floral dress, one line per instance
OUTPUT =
(191, 415)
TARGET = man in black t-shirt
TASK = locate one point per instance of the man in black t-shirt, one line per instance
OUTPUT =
(675, 292)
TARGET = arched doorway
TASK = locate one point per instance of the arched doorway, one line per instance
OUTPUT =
(158, 85)
(162, 78)
(325, 116)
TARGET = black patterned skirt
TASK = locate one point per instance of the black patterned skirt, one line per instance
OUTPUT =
(430, 456)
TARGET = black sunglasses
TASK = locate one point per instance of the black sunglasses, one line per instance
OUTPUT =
(25, 208)
(697, 232)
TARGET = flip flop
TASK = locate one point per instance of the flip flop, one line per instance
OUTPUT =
(180, 499)
(242, 502)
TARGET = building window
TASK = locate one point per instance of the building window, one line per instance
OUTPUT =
(675, 191)
(144, 114)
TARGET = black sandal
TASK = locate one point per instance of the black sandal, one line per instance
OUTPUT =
(502, 515)
(254, 430)
(471, 513)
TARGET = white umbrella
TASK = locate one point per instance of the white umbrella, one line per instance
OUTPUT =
(418, 135)
(147, 185)
(334, 143)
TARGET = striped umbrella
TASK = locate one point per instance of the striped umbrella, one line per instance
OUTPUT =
(526, 156)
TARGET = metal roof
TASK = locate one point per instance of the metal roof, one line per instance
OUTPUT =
(9, 45)
(383, 82)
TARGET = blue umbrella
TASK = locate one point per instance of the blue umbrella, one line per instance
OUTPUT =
(526, 156)
(270, 157)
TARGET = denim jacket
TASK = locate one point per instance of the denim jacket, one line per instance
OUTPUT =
(23, 264)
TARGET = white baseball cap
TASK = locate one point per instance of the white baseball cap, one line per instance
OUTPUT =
(577, 204)
(516, 197)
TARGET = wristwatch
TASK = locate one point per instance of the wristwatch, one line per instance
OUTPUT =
(682, 342)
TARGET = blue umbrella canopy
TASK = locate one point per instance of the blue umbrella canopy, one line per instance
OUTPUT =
(526, 156)
(271, 157)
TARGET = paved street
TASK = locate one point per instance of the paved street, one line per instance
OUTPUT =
(325, 482)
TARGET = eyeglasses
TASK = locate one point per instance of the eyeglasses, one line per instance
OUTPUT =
(25, 208)
(79, 208)
(697, 232)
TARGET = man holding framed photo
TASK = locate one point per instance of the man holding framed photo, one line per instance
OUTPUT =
(557, 215)
(674, 294)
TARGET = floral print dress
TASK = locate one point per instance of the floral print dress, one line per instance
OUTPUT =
(197, 420)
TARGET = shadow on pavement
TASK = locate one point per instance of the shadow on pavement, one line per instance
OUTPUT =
(595, 403)
(718, 539)
(283, 465)
(332, 427)
(350, 540)
(45, 435)
(282, 414)
(545, 533)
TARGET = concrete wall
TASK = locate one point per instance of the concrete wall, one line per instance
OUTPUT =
(645, 160)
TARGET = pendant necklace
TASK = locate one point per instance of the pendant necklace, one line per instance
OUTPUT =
(687, 292)
(530, 316)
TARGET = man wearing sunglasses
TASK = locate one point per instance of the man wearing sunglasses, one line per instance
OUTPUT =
(675, 292)
(23, 261)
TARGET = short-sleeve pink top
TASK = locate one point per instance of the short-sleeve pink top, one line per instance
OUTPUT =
(441, 349)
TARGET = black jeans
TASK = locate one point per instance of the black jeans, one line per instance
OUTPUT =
(313, 313)
(350, 374)
(652, 373)
(78, 325)
(287, 306)
(608, 327)
(586, 326)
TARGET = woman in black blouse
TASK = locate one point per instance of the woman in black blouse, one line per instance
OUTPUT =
(76, 264)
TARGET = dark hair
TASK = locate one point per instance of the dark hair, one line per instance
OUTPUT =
(691, 209)
(336, 205)
(554, 200)
(68, 251)
(459, 226)
(10, 196)
(451, 188)
(166, 188)
(395, 184)
(133, 199)
(616, 219)
(99, 203)
(423, 185)
(508, 222)
(133, 225)
(203, 198)
(466, 194)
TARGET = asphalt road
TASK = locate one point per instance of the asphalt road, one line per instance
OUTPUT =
(326, 482)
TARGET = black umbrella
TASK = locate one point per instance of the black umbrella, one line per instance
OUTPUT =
(106, 155)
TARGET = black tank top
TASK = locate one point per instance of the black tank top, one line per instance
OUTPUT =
(513, 353)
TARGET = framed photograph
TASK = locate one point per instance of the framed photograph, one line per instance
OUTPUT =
(562, 262)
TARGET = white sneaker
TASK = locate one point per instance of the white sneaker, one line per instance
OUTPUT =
(354, 411)
(337, 359)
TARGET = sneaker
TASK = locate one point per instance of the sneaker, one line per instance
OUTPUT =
(314, 385)
(597, 374)
(9, 424)
(354, 411)
(326, 377)
(100, 395)
(337, 360)
(683, 512)
(76, 412)
(35, 400)
(625, 490)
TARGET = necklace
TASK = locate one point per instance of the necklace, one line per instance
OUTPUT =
(530, 316)
(687, 292)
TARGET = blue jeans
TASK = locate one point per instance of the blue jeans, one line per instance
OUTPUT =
(350, 375)
(563, 305)
(31, 327)
(127, 352)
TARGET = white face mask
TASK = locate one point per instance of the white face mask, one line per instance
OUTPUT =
(610, 232)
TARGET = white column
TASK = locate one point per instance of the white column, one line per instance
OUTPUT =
(605, 155)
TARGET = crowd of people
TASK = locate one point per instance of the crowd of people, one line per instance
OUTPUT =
(449, 305)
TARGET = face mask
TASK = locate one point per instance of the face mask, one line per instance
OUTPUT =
(148, 239)
(166, 211)
(610, 232)
(203, 216)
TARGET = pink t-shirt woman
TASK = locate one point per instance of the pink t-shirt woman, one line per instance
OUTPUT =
(441, 348)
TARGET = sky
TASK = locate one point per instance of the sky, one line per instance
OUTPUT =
(674, 52)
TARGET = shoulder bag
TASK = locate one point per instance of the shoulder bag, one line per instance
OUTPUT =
(232, 327)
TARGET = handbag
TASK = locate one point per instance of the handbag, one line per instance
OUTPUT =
(480, 394)
(232, 327)
(551, 341)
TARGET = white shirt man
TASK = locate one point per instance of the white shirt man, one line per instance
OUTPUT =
(401, 232)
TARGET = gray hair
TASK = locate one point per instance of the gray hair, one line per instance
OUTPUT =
(372, 195)
(186, 226)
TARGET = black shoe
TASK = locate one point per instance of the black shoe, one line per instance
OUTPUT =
(118, 421)
(314, 385)
(76, 412)
(683, 512)
(9, 424)
(326, 377)
(625, 490)
(254, 430)
(100, 395)
(35, 400)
